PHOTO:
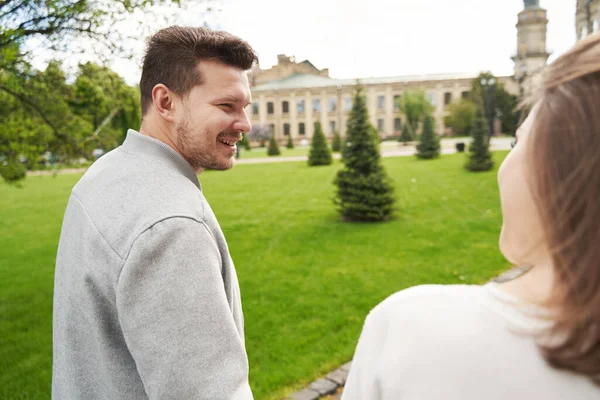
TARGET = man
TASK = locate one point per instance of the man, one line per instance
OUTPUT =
(147, 301)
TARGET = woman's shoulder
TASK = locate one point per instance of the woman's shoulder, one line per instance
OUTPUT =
(436, 296)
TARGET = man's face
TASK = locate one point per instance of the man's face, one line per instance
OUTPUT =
(213, 117)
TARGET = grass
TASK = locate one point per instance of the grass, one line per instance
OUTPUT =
(307, 279)
(261, 152)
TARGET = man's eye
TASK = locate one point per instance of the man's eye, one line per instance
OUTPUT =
(513, 143)
(227, 105)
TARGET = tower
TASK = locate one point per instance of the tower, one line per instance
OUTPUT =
(587, 17)
(531, 54)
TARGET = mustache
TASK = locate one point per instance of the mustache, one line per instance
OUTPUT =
(231, 135)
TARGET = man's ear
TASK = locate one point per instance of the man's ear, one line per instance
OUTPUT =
(164, 102)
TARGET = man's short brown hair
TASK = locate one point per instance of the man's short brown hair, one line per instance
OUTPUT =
(173, 54)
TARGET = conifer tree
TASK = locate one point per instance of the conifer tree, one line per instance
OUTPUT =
(429, 142)
(364, 190)
(480, 158)
(319, 153)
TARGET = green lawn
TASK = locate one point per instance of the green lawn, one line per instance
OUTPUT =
(261, 152)
(307, 279)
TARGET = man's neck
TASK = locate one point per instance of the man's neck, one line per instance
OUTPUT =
(161, 133)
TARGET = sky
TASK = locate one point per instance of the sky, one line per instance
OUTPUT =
(359, 39)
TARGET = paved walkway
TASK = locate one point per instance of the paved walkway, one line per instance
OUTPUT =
(388, 149)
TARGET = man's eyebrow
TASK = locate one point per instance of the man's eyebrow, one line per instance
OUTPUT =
(230, 99)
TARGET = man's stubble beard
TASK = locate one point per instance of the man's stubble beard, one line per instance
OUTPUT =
(196, 149)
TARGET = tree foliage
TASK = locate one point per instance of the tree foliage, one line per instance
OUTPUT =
(480, 158)
(415, 106)
(364, 190)
(46, 112)
(273, 149)
(336, 145)
(461, 117)
(319, 153)
(495, 101)
(429, 142)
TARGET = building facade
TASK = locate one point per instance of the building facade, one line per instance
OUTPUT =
(292, 105)
(531, 56)
(290, 97)
(587, 17)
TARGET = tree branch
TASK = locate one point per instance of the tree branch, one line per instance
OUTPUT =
(37, 109)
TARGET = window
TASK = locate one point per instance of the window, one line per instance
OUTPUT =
(380, 125)
(465, 95)
(316, 105)
(300, 106)
(380, 102)
(397, 124)
(270, 107)
(301, 128)
(286, 129)
(255, 108)
(431, 98)
(331, 105)
(397, 102)
(348, 103)
(447, 98)
(331, 126)
(286, 107)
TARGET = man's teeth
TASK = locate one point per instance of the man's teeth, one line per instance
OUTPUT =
(229, 142)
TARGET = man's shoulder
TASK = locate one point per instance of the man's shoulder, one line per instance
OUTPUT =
(123, 196)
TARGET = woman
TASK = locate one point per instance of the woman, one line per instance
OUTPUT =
(537, 336)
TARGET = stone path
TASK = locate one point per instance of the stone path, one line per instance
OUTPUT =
(327, 388)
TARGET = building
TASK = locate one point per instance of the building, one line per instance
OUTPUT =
(532, 55)
(587, 17)
(291, 97)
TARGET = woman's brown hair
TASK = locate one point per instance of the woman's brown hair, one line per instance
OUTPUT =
(565, 172)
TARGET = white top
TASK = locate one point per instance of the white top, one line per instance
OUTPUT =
(456, 342)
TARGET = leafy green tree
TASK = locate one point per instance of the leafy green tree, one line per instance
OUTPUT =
(461, 117)
(415, 106)
(495, 102)
(319, 153)
(364, 190)
(480, 158)
(290, 143)
(429, 142)
(43, 98)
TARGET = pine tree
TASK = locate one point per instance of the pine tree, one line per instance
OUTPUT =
(319, 153)
(273, 149)
(406, 135)
(245, 143)
(480, 158)
(290, 143)
(429, 142)
(336, 145)
(364, 190)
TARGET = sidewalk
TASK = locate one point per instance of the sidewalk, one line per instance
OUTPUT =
(388, 149)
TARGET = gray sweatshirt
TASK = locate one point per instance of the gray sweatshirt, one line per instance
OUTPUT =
(146, 298)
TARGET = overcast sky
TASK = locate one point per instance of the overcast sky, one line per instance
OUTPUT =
(357, 38)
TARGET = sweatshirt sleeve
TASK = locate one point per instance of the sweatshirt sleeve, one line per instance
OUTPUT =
(362, 380)
(175, 317)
